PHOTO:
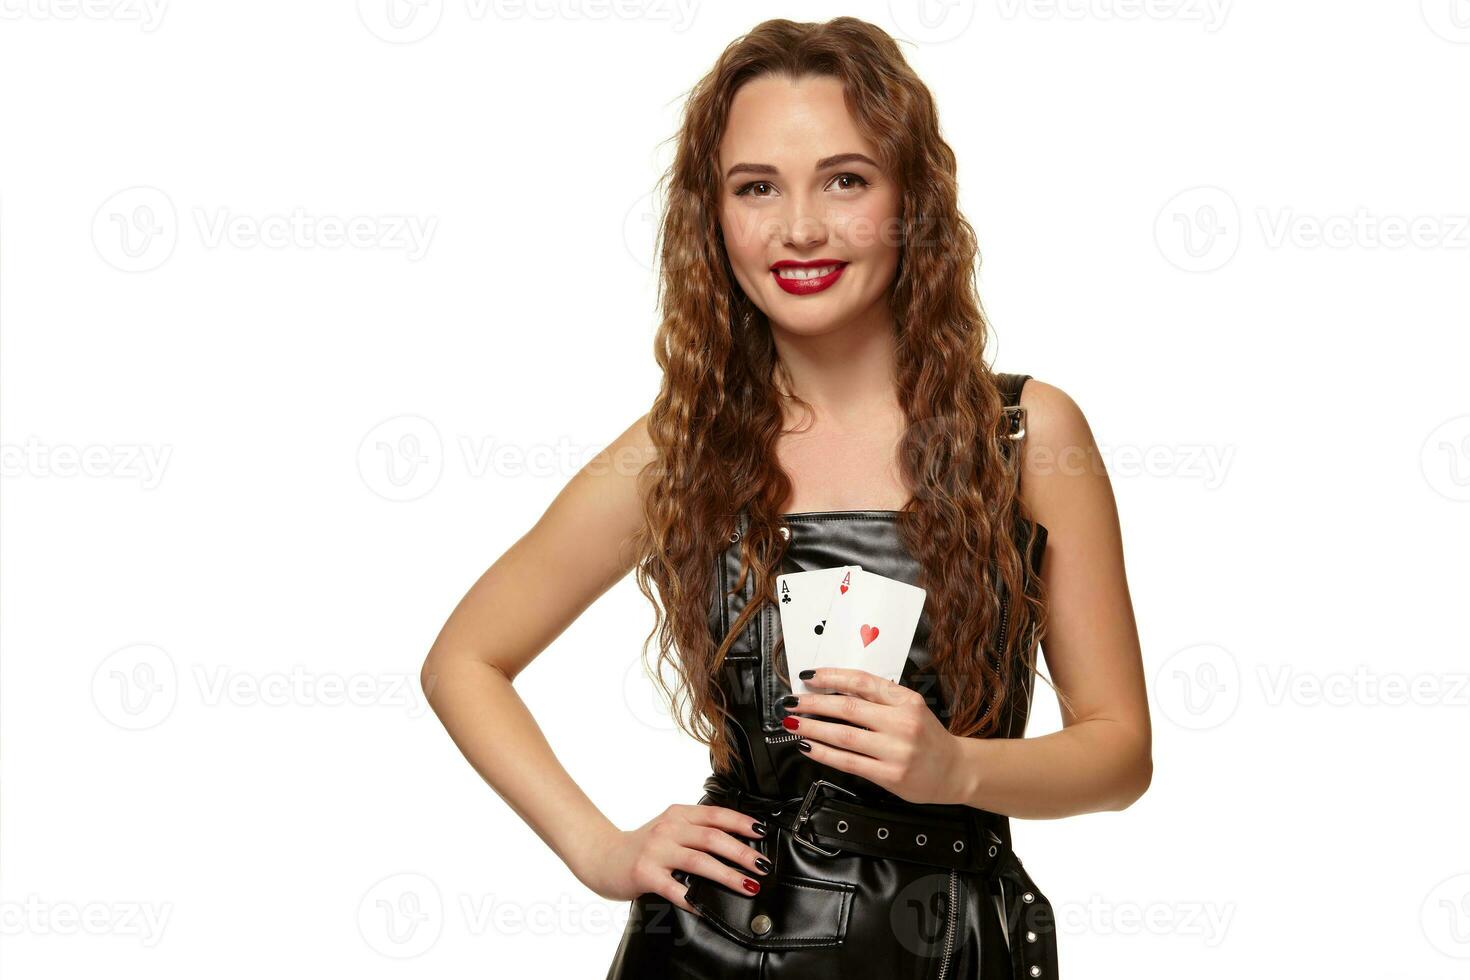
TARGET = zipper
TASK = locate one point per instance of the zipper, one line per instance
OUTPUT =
(954, 912)
(1000, 642)
(767, 681)
(1005, 616)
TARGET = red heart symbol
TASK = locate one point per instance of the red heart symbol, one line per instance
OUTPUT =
(870, 633)
(843, 589)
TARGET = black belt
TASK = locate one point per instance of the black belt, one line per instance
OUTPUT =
(962, 839)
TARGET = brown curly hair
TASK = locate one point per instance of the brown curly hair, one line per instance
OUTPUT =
(718, 412)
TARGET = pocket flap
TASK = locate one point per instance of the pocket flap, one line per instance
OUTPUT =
(790, 912)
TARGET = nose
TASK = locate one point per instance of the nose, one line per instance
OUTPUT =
(806, 224)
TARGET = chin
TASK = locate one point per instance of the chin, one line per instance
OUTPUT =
(810, 323)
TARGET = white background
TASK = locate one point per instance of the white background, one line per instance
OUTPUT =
(249, 468)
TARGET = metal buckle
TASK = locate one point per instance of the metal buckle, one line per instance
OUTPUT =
(1018, 421)
(803, 814)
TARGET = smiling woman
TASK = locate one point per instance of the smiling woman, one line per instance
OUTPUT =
(785, 192)
(826, 406)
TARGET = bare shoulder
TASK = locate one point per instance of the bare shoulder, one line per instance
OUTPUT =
(601, 505)
(1060, 456)
(1053, 418)
(577, 550)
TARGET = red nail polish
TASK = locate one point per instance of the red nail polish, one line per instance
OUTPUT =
(791, 722)
(751, 886)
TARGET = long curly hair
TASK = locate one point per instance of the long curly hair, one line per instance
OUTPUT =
(718, 412)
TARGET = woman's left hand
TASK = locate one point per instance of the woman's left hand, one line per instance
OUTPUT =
(905, 749)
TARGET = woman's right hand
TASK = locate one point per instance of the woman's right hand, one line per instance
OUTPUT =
(685, 837)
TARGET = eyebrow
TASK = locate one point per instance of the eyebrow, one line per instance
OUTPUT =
(767, 170)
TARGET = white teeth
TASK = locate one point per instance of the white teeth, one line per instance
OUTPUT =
(816, 272)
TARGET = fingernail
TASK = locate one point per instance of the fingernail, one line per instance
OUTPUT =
(790, 722)
(804, 745)
(764, 865)
(759, 829)
(807, 674)
(750, 886)
(789, 701)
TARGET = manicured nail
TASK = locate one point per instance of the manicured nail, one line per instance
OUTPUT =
(804, 745)
(807, 674)
(759, 829)
(790, 722)
(789, 701)
(750, 886)
(764, 865)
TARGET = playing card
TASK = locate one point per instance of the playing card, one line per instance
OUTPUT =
(805, 600)
(873, 628)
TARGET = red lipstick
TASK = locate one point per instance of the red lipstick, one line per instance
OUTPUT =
(811, 284)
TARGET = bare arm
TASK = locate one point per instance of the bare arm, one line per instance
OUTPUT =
(1102, 757)
(576, 552)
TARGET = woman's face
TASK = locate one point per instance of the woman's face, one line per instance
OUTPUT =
(810, 222)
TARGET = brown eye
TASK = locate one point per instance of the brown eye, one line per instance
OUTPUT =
(855, 177)
(755, 183)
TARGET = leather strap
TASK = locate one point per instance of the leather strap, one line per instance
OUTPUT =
(831, 819)
(1031, 925)
(1010, 386)
(962, 838)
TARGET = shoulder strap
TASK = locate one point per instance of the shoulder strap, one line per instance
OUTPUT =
(1010, 388)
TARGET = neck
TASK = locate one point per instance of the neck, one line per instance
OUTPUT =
(848, 374)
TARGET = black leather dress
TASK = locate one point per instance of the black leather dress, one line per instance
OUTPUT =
(864, 884)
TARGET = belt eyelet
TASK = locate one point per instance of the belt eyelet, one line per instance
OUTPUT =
(882, 833)
(959, 845)
(842, 826)
(921, 840)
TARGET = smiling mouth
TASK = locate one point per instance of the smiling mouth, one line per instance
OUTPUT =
(810, 272)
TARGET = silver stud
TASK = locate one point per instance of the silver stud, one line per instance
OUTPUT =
(882, 833)
(1035, 971)
(786, 533)
(1030, 936)
(735, 535)
(760, 925)
(959, 845)
(992, 850)
(921, 840)
(842, 826)
(1028, 897)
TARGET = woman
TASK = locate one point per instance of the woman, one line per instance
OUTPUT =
(825, 402)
